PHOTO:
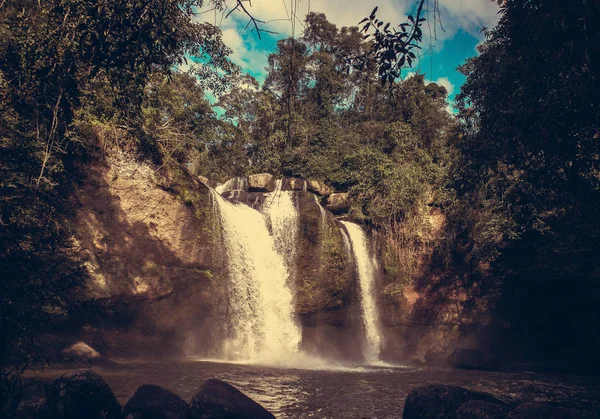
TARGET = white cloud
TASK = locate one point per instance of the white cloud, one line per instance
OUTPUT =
(443, 81)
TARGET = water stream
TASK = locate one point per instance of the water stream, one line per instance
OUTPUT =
(366, 267)
(261, 327)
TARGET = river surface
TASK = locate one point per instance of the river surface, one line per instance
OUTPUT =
(351, 392)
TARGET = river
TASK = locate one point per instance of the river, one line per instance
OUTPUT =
(342, 392)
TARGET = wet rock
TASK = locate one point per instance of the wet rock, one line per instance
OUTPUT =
(293, 184)
(80, 352)
(218, 399)
(480, 409)
(472, 359)
(154, 402)
(82, 394)
(319, 188)
(263, 182)
(440, 401)
(540, 410)
(338, 203)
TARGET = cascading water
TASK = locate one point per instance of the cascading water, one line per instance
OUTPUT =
(366, 267)
(261, 311)
(282, 216)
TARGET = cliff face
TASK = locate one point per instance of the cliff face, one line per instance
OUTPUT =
(428, 308)
(152, 246)
(148, 247)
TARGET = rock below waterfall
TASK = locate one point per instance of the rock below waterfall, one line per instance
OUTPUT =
(82, 394)
(440, 401)
(263, 182)
(472, 359)
(338, 203)
(218, 399)
(79, 352)
(293, 184)
(319, 188)
(154, 402)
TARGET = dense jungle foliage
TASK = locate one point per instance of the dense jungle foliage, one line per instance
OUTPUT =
(516, 171)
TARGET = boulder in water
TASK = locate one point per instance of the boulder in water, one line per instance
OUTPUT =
(540, 410)
(472, 359)
(319, 188)
(82, 394)
(80, 352)
(154, 402)
(263, 182)
(293, 184)
(338, 203)
(218, 399)
(440, 401)
(480, 409)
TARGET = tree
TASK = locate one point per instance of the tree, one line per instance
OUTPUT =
(529, 170)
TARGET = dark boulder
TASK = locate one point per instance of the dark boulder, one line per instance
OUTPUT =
(540, 410)
(480, 409)
(262, 182)
(440, 401)
(218, 399)
(154, 402)
(472, 359)
(82, 394)
(338, 203)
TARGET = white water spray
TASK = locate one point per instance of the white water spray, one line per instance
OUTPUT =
(261, 309)
(283, 217)
(366, 272)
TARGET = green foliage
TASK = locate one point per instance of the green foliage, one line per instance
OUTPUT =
(76, 78)
(527, 186)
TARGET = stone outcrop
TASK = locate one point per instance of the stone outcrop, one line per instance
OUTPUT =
(82, 394)
(147, 242)
(79, 352)
(263, 182)
(338, 203)
(151, 402)
(319, 188)
(325, 284)
(218, 399)
(439, 401)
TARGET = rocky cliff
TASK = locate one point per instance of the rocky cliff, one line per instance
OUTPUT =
(151, 244)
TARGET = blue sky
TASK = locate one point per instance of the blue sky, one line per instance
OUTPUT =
(462, 21)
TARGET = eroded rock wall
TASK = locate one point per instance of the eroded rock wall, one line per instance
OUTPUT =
(147, 242)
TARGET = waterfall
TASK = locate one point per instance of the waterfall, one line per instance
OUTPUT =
(282, 216)
(366, 267)
(262, 326)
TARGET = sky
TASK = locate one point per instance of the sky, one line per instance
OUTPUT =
(444, 46)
